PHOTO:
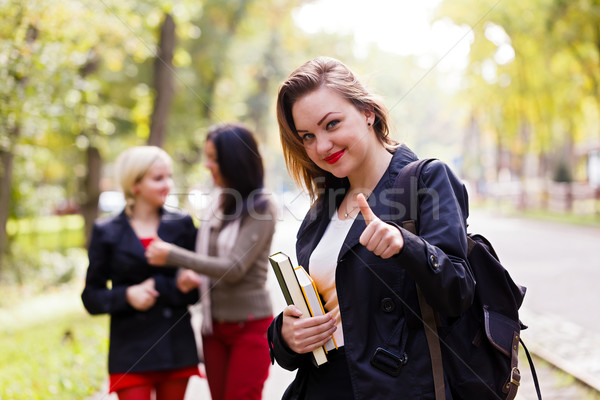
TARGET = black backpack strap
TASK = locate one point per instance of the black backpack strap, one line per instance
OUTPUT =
(407, 182)
(533, 373)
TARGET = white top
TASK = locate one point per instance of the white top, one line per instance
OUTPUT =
(322, 266)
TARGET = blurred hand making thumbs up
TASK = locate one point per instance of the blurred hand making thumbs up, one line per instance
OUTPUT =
(383, 239)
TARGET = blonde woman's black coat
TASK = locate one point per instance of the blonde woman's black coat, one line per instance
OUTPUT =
(160, 338)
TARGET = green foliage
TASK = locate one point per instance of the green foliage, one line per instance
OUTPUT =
(77, 74)
(538, 100)
(64, 358)
(45, 251)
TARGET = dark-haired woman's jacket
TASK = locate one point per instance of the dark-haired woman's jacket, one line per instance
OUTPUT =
(377, 297)
(160, 338)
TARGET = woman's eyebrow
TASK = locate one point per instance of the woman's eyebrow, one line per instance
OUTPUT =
(325, 116)
(318, 123)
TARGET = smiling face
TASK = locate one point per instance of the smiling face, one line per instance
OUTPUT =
(155, 185)
(335, 134)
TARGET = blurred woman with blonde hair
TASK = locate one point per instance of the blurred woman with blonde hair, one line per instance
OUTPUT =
(152, 350)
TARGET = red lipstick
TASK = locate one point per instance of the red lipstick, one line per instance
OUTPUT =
(332, 159)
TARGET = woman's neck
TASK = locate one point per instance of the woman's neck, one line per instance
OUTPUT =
(371, 171)
(145, 212)
(145, 220)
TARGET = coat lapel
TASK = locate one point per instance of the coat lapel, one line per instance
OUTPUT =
(127, 241)
(312, 230)
(125, 238)
(378, 206)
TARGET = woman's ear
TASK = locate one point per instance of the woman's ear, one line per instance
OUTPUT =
(369, 117)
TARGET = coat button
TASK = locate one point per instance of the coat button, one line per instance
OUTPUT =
(388, 305)
(167, 312)
(404, 358)
(433, 261)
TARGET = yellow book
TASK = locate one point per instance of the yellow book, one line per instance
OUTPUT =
(313, 299)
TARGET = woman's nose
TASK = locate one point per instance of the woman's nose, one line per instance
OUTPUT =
(324, 144)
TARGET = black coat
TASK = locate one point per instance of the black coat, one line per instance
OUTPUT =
(160, 338)
(377, 297)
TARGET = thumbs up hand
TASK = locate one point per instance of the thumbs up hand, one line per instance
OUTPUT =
(383, 239)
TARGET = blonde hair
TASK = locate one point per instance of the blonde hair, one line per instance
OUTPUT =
(132, 165)
(312, 75)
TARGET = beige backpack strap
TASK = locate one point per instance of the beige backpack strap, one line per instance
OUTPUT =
(433, 341)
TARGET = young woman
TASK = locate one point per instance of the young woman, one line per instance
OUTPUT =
(335, 140)
(152, 351)
(232, 253)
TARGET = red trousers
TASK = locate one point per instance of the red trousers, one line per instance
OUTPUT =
(236, 357)
(167, 385)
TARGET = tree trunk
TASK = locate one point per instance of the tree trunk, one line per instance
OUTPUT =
(163, 82)
(89, 207)
(224, 36)
(6, 167)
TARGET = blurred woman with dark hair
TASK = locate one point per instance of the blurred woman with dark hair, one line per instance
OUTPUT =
(232, 252)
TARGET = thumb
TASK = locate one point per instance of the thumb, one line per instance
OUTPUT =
(292, 311)
(148, 283)
(192, 276)
(152, 288)
(366, 211)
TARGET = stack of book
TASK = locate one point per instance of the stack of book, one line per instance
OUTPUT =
(300, 290)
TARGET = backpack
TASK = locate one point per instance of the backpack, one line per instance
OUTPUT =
(478, 352)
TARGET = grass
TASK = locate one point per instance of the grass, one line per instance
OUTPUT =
(46, 224)
(564, 218)
(51, 349)
(54, 232)
(556, 383)
(504, 208)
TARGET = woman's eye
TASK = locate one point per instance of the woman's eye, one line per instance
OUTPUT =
(307, 137)
(332, 124)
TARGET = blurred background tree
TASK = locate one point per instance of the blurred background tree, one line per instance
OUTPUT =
(531, 88)
(80, 81)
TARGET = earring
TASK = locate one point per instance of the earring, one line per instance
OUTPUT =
(369, 124)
